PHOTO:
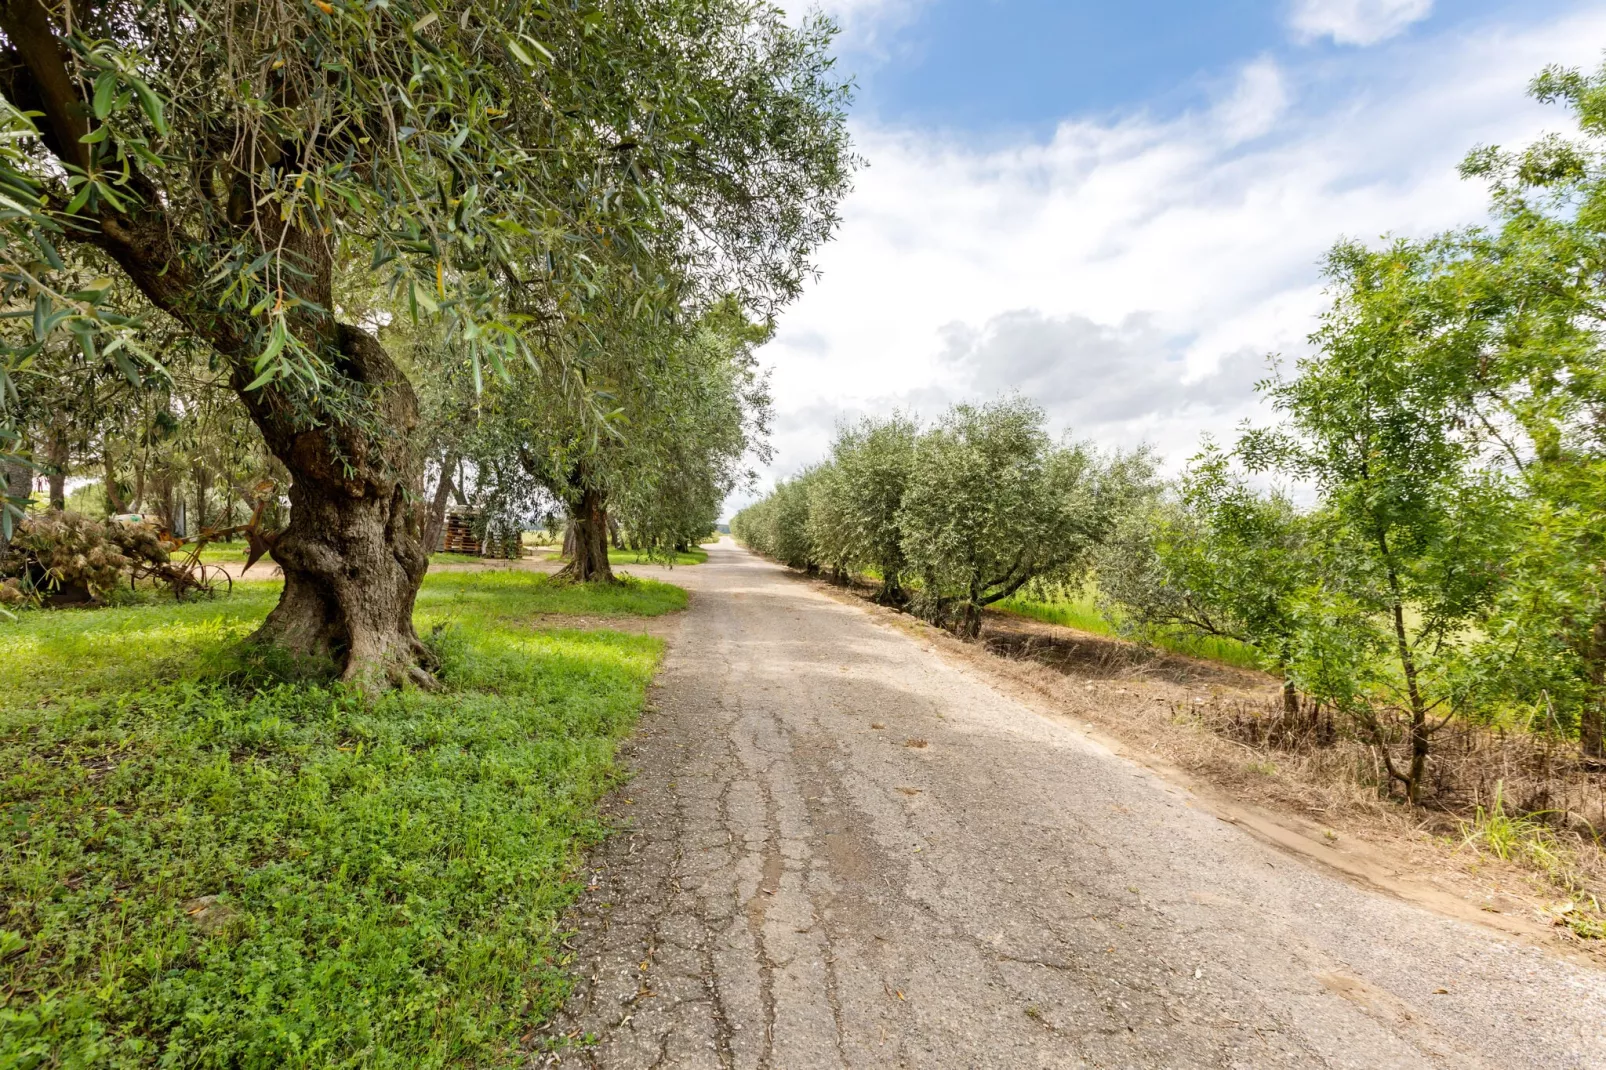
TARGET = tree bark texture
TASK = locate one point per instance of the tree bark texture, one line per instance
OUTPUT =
(437, 506)
(16, 480)
(353, 554)
(60, 457)
(114, 497)
(588, 524)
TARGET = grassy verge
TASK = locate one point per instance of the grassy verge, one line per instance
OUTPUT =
(681, 557)
(631, 557)
(223, 553)
(206, 867)
(1082, 612)
(448, 558)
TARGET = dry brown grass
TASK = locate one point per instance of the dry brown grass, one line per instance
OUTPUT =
(1494, 801)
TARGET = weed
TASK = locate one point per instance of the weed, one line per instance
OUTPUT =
(1520, 837)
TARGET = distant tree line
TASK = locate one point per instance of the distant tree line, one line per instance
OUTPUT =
(953, 517)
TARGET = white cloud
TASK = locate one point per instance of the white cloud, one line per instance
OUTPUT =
(1132, 274)
(864, 24)
(1255, 106)
(1355, 22)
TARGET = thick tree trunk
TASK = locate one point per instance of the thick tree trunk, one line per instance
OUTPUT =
(588, 521)
(114, 499)
(16, 481)
(161, 491)
(891, 592)
(58, 460)
(353, 554)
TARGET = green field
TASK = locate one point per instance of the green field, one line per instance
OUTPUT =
(1082, 612)
(209, 866)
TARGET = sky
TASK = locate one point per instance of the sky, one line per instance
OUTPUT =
(1119, 210)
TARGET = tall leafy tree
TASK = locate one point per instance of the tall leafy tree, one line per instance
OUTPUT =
(686, 406)
(1540, 398)
(1411, 531)
(500, 164)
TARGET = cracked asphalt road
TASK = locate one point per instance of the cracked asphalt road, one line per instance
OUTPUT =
(845, 851)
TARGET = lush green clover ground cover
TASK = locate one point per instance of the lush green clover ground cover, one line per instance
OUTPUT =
(388, 875)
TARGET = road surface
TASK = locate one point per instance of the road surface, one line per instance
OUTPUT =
(847, 852)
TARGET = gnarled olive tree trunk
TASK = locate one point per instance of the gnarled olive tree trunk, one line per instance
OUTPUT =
(588, 526)
(353, 554)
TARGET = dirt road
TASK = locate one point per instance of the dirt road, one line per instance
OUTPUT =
(848, 852)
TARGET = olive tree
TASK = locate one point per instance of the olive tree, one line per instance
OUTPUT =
(1218, 558)
(687, 404)
(993, 504)
(827, 523)
(874, 460)
(778, 525)
(500, 165)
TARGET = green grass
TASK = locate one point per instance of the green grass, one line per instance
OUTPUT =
(389, 874)
(632, 557)
(1082, 612)
(504, 593)
(681, 557)
(447, 558)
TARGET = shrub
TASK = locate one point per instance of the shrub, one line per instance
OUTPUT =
(994, 504)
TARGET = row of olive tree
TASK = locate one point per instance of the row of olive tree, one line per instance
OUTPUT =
(533, 179)
(689, 406)
(954, 517)
(1448, 425)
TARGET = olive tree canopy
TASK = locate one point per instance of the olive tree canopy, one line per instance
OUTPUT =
(504, 166)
